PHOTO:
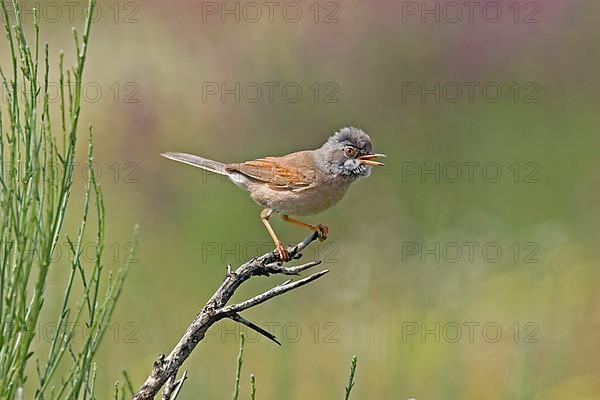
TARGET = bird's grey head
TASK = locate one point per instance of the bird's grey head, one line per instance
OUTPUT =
(348, 153)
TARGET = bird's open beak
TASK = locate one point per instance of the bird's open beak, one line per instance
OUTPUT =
(368, 160)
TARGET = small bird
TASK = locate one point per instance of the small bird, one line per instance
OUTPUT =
(302, 183)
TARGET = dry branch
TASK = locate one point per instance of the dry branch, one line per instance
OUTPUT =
(165, 368)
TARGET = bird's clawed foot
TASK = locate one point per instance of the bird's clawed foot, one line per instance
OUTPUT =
(322, 232)
(284, 255)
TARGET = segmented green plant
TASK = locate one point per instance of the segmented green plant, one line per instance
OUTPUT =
(36, 179)
(351, 377)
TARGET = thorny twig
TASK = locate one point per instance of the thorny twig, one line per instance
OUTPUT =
(165, 368)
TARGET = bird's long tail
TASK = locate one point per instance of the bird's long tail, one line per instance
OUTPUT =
(196, 161)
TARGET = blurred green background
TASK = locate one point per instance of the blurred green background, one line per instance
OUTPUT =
(398, 293)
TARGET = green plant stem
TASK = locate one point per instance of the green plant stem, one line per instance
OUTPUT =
(238, 372)
(34, 202)
(252, 387)
(351, 381)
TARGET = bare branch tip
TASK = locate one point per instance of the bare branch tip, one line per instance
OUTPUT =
(165, 367)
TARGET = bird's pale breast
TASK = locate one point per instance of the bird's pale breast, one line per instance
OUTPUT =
(308, 201)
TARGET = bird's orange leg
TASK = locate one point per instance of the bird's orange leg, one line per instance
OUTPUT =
(321, 230)
(283, 253)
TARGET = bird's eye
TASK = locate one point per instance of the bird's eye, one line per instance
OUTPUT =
(349, 151)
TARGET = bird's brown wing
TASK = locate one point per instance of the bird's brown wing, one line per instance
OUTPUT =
(295, 171)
